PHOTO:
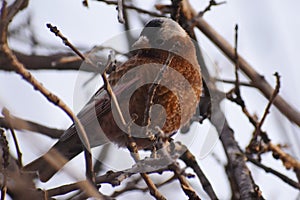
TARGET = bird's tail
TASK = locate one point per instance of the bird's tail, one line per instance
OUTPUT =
(52, 161)
(47, 165)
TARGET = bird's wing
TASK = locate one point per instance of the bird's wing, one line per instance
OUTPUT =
(98, 105)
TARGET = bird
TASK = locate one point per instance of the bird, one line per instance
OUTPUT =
(157, 89)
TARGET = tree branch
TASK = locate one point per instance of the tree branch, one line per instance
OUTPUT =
(236, 160)
(276, 173)
(256, 79)
(21, 124)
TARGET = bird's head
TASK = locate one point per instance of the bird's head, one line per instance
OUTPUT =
(165, 34)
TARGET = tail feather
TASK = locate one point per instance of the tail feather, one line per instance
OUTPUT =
(47, 165)
(51, 162)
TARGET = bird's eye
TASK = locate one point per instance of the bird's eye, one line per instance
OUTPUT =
(159, 41)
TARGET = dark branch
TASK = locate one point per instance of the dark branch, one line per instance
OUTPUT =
(190, 160)
(7, 116)
(257, 80)
(139, 10)
(21, 124)
(272, 98)
(210, 5)
(276, 173)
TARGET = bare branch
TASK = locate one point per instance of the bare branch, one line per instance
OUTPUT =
(6, 114)
(139, 10)
(85, 3)
(233, 82)
(287, 160)
(237, 67)
(65, 40)
(186, 187)
(190, 160)
(14, 8)
(81, 131)
(130, 186)
(210, 5)
(113, 178)
(21, 124)
(257, 80)
(121, 11)
(21, 70)
(132, 145)
(276, 173)
(3, 22)
(4, 165)
(272, 98)
(246, 187)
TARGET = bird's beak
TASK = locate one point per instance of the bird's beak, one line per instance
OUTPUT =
(142, 42)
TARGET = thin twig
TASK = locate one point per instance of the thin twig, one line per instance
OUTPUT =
(21, 124)
(236, 90)
(176, 8)
(256, 79)
(6, 114)
(14, 8)
(276, 173)
(81, 131)
(237, 98)
(272, 98)
(6, 18)
(237, 79)
(65, 40)
(85, 3)
(5, 159)
(130, 186)
(233, 82)
(186, 187)
(139, 10)
(246, 186)
(287, 160)
(152, 187)
(113, 178)
(259, 124)
(100, 159)
(107, 86)
(20, 69)
(190, 160)
(3, 23)
(121, 11)
(149, 103)
(132, 145)
(135, 155)
(130, 39)
(211, 4)
(153, 88)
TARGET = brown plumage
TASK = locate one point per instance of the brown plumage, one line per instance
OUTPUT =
(163, 70)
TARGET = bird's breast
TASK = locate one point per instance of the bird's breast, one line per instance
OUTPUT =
(166, 92)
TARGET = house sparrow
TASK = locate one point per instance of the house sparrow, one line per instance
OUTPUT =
(158, 89)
